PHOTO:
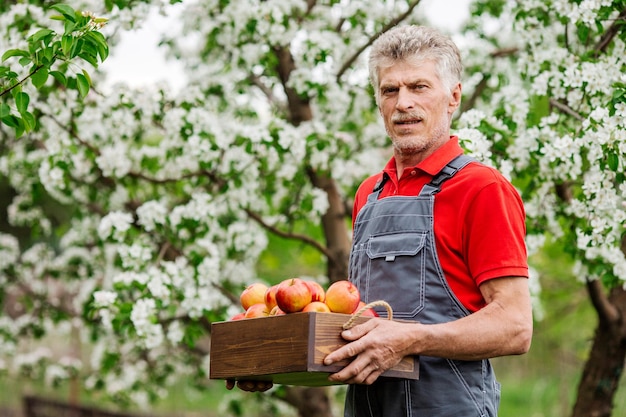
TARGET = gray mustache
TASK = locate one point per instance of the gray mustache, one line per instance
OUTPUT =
(405, 117)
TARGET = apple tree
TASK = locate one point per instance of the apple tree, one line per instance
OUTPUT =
(146, 210)
(550, 110)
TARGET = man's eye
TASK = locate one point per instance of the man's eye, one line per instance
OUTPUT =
(390, 90)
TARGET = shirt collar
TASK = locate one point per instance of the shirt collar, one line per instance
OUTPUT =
(435, 162)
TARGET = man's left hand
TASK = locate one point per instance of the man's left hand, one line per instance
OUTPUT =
(376, 346)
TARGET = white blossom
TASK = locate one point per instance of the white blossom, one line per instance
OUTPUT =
(104, 298)
(114, 225)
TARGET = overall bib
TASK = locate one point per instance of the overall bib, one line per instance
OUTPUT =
(394, 259)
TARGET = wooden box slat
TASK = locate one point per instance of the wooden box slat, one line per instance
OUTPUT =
(287, 349)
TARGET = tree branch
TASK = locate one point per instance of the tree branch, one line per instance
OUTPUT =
(303, 238)
(267, 92)
(23, 80)
(482, 85)
(371, 40)
(502, 53)
(566, 109)
(612, 31)
(299, 107)
(478, 91)
(606, 311)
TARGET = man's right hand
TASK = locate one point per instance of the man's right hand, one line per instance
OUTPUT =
(250, 386)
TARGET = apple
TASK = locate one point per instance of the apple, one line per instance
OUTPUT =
(238, 316)
(342, 297)
(270, 296)
(370, 312)
(257, 310)
(317, 306)
(317, 291)
(276, 311)
(253, 294)
(292, 295)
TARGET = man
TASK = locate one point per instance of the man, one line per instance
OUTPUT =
(438, 236)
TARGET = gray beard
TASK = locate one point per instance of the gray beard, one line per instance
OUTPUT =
(410, 147)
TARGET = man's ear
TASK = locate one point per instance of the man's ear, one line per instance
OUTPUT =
(455, 98)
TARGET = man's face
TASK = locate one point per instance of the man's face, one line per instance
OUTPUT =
(416, 106)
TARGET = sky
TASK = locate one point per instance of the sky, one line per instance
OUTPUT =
(138, 61)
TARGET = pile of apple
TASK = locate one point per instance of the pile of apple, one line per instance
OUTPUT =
(295, 295)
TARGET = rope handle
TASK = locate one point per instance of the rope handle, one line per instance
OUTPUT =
(380, 303)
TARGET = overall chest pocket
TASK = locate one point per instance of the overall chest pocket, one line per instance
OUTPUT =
(392, 269)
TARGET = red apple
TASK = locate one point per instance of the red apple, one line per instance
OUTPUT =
(292, 295)
(370, 312)
(253, 294)
(342, 297)
(238, 316)
(317, 291)
(270, 296)
(257, 310)
(276, 311)
(316, 306)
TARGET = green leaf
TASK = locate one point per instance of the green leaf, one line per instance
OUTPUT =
(5, 110)
(539, 108)
(77, 47)
(25, 60)
(29, 121)
(60, 77)
(100, 43)
(82, 84)
(613, 161)
(87, 76)
(11, 120)
(583, 33)
(48, 54)
(67, 43)
(66, 11)
(69, 27)
(39, 35)
(14, 52)
(40, 77)
(21, 101)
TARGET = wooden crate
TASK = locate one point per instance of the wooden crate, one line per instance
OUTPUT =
(287, 349)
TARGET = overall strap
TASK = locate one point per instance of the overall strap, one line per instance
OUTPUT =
(378, 187)
(447, 172)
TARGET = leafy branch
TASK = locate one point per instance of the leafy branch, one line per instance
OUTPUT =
(81, 39)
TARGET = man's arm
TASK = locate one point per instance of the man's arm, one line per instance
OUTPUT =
(503, 327)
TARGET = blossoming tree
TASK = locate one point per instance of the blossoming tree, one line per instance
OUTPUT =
(556, 120)
(147, 211)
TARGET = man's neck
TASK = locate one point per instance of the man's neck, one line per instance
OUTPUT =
(410, 159)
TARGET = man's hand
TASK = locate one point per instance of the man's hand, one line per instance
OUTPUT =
(250, 386)
(376, 346)
(503, 327)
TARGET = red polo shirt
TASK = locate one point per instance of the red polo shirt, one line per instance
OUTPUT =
(479, 220)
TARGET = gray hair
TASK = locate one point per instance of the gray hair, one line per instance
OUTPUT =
(414, 44)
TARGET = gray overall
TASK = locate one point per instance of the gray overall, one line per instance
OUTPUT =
(394, 259)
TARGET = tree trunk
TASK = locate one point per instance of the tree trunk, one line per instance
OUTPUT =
(335, 227)
(602, 372)
(315, 402)
(310, 402)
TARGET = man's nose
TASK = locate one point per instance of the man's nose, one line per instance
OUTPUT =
(405, 100)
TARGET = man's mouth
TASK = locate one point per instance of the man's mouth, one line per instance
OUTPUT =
(408, 122)
(406, 119)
